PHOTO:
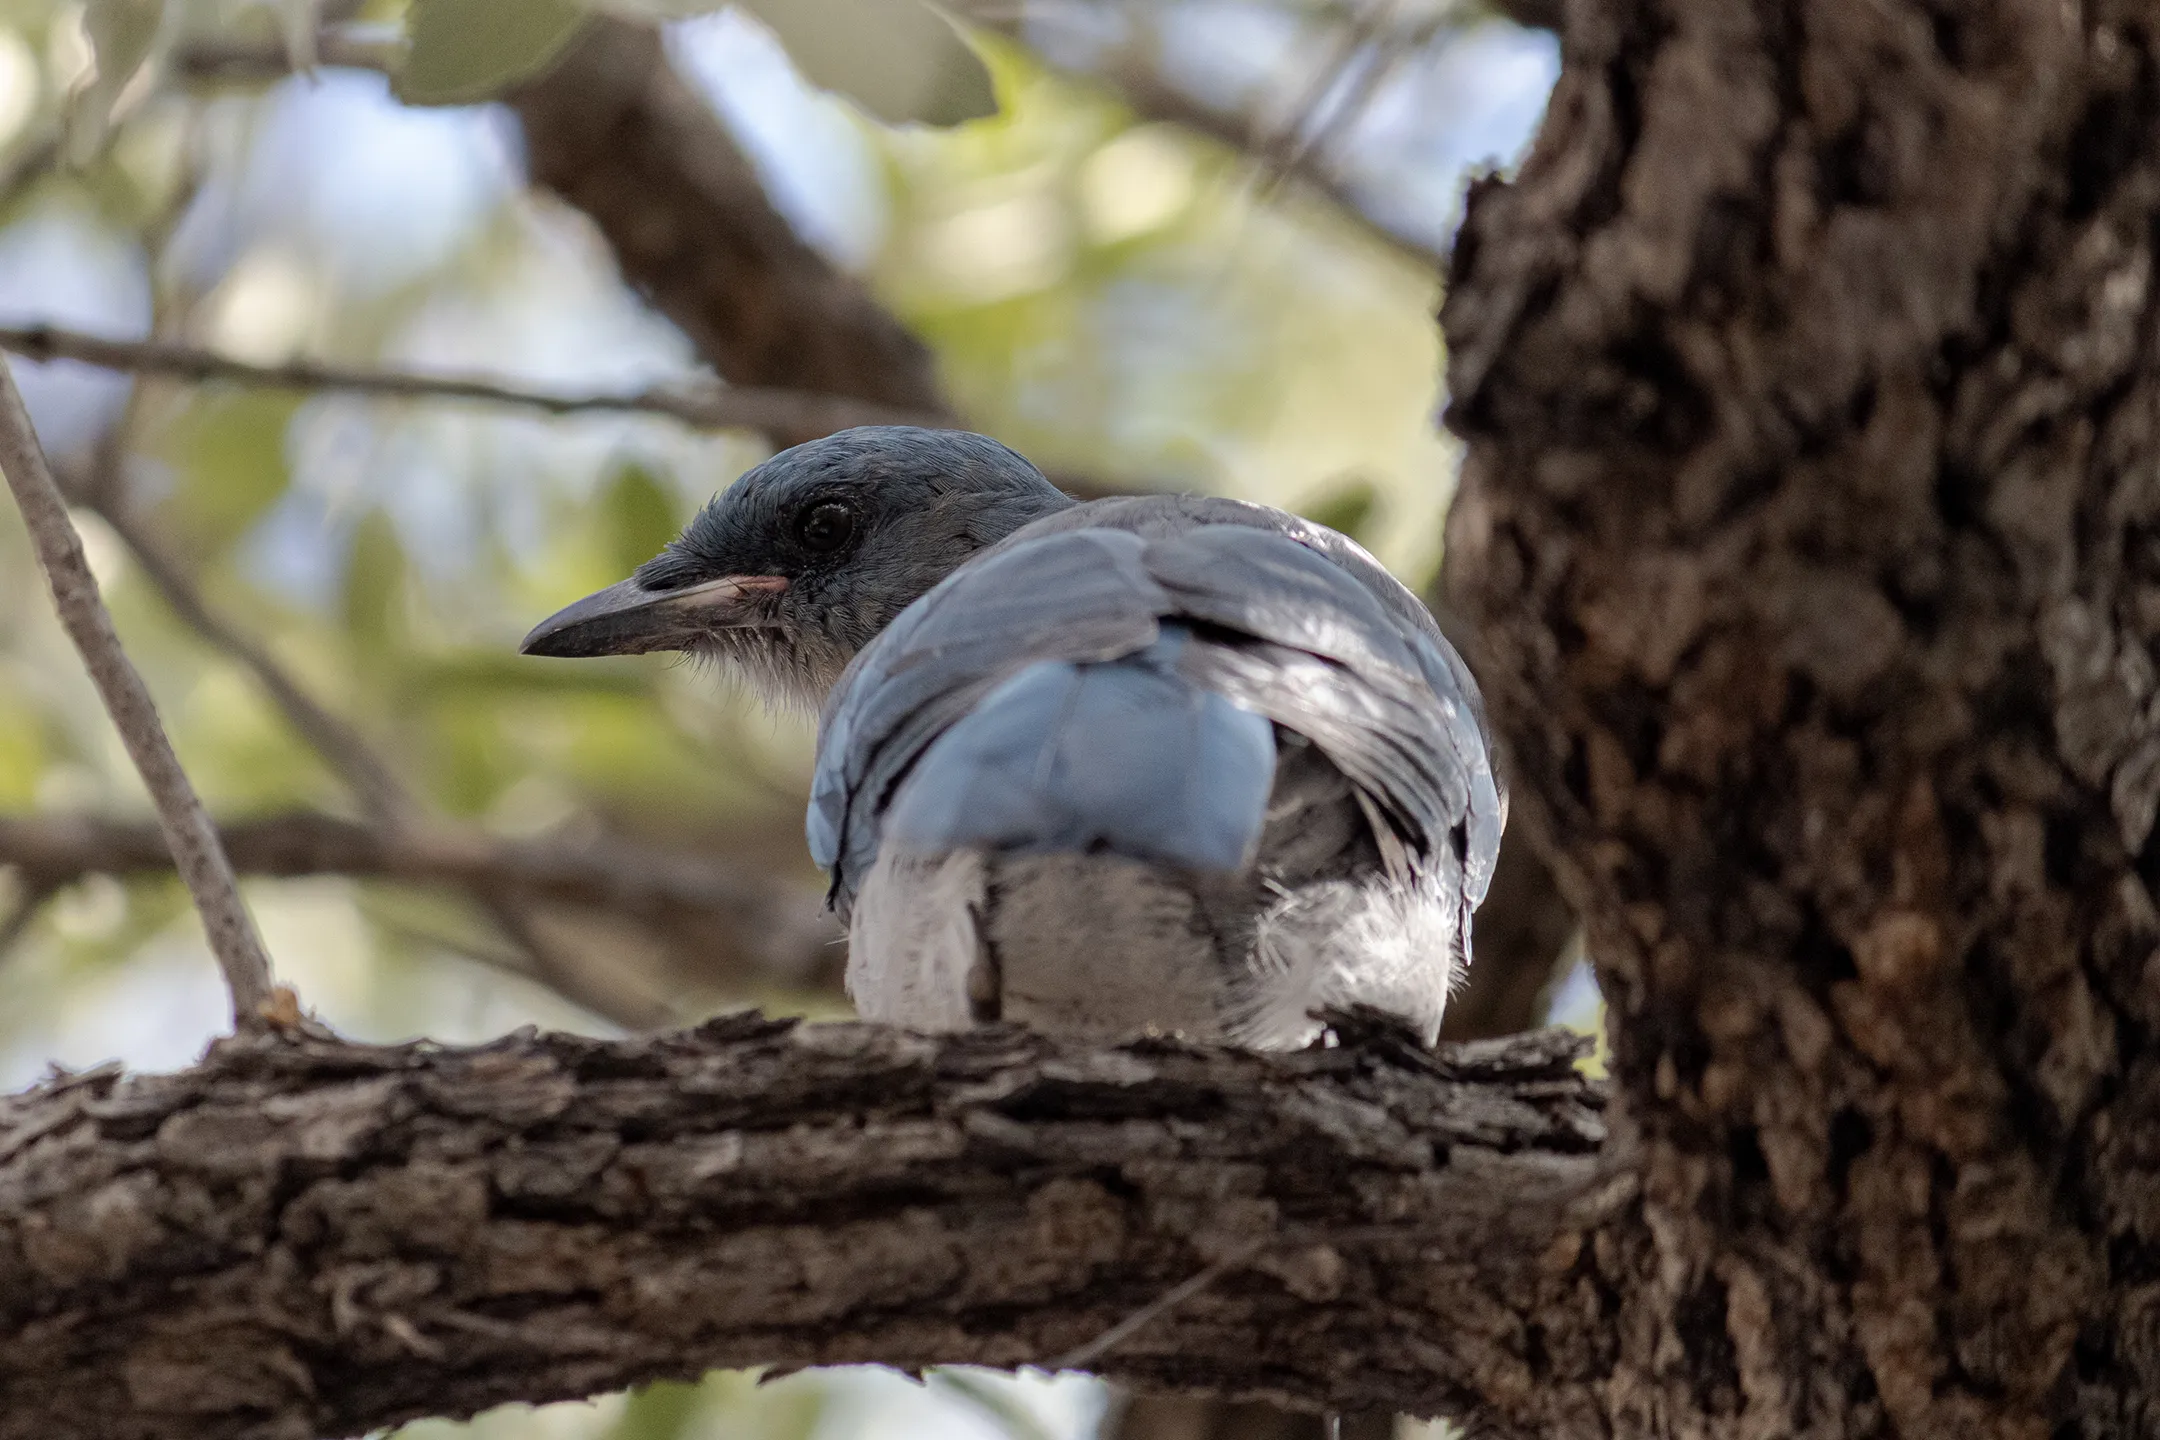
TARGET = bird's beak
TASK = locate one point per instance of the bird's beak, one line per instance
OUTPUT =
(628, 619)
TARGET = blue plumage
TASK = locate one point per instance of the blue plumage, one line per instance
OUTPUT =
(1125, 756)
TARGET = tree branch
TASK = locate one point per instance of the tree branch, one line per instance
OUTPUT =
(223, 60)
(187, 830)
(306, 1237)
(393, 808)
(614, 131)
(789, 416)
(545, 963)
(382, 794)
(1290, 149)
(752, 928)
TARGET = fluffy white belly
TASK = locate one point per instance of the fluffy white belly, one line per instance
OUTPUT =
(1099, 946)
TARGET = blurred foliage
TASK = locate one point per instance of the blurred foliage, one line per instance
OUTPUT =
(1115, 297)
(900, 60)
(467, 50)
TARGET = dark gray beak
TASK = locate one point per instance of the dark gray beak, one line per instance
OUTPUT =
(628, 619)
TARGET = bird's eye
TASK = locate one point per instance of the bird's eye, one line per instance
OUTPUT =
(826, 526)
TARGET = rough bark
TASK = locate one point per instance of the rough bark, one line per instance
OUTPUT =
(614, 131)
(1811, 532)
(303, 1237)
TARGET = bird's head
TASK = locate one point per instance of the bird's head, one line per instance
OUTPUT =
(802, 561)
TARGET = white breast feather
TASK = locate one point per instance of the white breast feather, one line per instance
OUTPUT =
(912, 942)
(1397, 946)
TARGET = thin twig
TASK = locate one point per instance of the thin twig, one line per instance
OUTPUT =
(1244, 1255)
(577, 985)
(1313, 136)
(1137, 80)
(215, 61)
(379, 791)
(393, 808)
(1155, 1309)
(196, 850)
(384, 797)
(1289, 141)
(773, 925)
(694, 401)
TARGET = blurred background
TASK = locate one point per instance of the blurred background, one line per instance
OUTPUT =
(244, 244)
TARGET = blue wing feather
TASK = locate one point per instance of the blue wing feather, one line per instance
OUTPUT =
(1108, 677)
(1124, 755)
(1072, 597)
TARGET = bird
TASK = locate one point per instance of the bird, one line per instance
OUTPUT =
(1149, 765)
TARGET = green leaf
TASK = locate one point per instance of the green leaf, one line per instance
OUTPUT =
(1349, 508)
(375, 586)
(899, 60)
(23, 753)
(640, 515)
(665, 1410)
(468, 50)
(228, 451)
(123, 35)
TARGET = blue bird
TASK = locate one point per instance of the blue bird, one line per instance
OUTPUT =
(1162, 764)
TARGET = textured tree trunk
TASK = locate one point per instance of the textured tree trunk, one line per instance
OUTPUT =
(1811, 529)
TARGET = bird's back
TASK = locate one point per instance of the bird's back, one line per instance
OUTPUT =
(1165, 763)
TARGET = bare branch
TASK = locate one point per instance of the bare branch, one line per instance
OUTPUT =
(384, 796)
(614, 131)
(545, 964)
(379, 791)
(1085, 1355)
(318, 1238)
(1304, 127)
(188, 832)
(212, 60)
(788, 416)
(1285, 151)
(394, 809)
(1155, 97)
(751, 927)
